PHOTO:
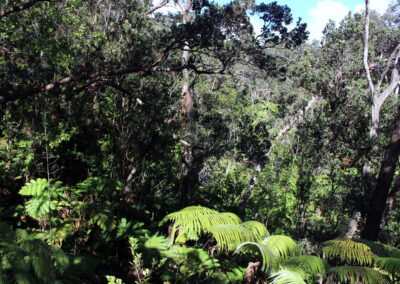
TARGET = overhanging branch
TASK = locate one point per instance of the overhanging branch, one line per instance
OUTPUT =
(21, 7)
(9, 95)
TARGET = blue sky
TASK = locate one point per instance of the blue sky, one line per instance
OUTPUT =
(316, 13)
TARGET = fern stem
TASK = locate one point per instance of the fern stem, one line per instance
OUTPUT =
(48, 176)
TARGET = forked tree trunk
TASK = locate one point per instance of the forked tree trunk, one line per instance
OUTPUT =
(375, 213)
(379, 97)
(376, 209)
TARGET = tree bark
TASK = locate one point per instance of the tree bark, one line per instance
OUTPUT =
(252, 183)
(353, 224)
(187, 106)
(251, 271)
(380, 195)
(390, 202)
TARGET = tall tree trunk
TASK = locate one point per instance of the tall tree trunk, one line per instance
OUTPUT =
(187, 105)
(380, 195)
(356, 215)
(390, 202)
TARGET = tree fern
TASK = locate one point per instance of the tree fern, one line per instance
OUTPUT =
(382, 250)
(311, 265)
(354, 274)
(348, 250)
(284, 276)
(259, 229)
(193, 221)
(272, 249)
(389, 264)
(229, 236)
(269, 257)
(282, 246)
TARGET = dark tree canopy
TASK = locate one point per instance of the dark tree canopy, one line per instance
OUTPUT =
(138, 146)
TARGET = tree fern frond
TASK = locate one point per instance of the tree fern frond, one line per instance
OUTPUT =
(234, 219)
(34, 187)
(257, 228)
(229, 236)
(193, 221)
(189, 212)
(310, 264)
(282, 246)
(284, 276)
(346, 249)
(389, 264)
(382, 250)
(269, 257)
(355, 274)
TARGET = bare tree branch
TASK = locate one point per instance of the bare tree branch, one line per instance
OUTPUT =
(300, 115)
(8, 94)
(395, 54)
(162, 4)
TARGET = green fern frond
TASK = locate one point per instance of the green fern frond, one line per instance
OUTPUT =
(229, 236)
(346, 249)
(389, 264)
(269, 257)
(97, 185)
(285, 276)
(34, 187)
(310, 264)
(24, 258)
(356, 274)
(382, 250)
(39, 206)
(193, 221)
(105, 219)
(257, 228)
(156, 242)
(234, 219)
(282, 246)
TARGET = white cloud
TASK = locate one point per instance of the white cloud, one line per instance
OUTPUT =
(322, 13)
(379, 5)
